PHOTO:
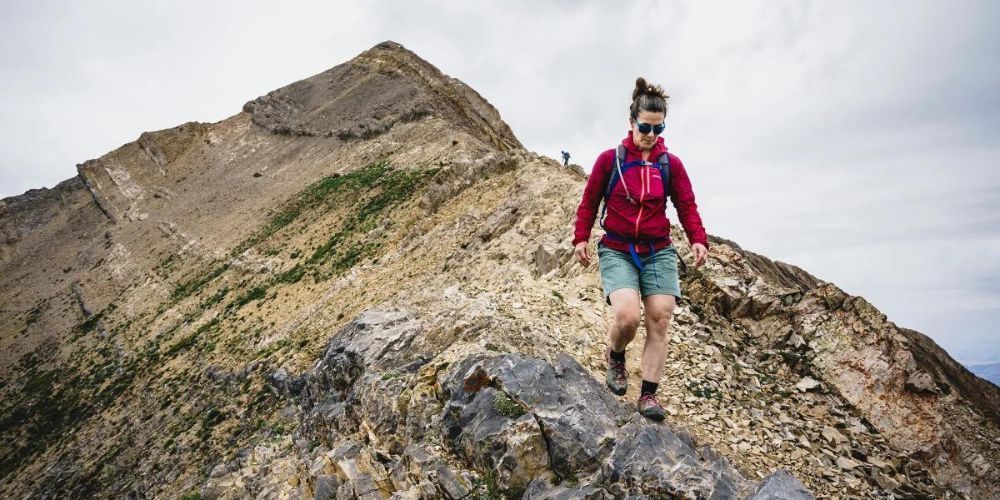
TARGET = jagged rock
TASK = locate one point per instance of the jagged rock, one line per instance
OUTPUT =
(326, 487)
(579, 422)
(796, 341)
(452, 486)
(652, 459)
(846, 463)
(541, 489)
(808, 384)
(510, 444)
(550, 256)
(921, 382)
(833, 436)
(780, 485)
(577, 416)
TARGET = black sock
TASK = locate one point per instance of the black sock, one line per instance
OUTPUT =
(649, 387)
(617, 356)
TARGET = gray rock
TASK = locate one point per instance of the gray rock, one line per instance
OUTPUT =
(577, 416)
(512, 445)
(326, 487)
(452, 486)
(524, 420)
(219, 470)
(581, 424)
(652, 459)
(541, 489)
(781, 485)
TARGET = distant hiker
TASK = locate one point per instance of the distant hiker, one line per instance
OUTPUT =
(636, 255)
(565, 158)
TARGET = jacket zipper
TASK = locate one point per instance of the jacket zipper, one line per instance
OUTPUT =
(642, 194)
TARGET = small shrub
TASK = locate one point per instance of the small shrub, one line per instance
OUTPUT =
(506, 406)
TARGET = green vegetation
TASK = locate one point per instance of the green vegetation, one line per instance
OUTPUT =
(216, 298)
(703, 390)
(52, 402)
(506, 406)
(36, 312)
(91, 323)
(211, 418)
(256, 293)
(189, 340)
(487, 486)
(188, 287)
(367, 193)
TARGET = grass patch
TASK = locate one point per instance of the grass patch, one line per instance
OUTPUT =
(91, 323)
(188, 287)
(256, 293)
(215, 298)
(506, 406)
(52, 402)
(188, 341)
(703, 390)
(36, 312)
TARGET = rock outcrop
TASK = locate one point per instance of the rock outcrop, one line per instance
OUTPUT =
(362, 286)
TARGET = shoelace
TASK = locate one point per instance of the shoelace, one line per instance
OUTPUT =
(652, 398)
(618, 367)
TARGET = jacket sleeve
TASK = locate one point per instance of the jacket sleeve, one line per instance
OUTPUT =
(586, 213)
(683, 199)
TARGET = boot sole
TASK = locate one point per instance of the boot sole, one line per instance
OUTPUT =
(654, 416)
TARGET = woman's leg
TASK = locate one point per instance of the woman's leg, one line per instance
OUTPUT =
(625, 321)
(659, 309)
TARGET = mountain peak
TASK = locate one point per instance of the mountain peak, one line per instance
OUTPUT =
(364, 97)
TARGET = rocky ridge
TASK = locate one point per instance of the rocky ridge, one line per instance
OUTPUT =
(378, 304)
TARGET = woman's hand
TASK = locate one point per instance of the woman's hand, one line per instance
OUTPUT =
(700, 254)
(582, 253)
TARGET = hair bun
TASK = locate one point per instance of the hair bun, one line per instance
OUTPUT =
(642, 87)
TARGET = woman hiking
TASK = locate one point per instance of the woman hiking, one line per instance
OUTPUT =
(636, 256)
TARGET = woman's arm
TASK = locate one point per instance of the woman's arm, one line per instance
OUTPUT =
(683, 198)
(586, 213)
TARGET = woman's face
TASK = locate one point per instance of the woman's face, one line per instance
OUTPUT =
(646, 141)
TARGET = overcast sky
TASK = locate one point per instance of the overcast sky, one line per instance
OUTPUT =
(857, 140)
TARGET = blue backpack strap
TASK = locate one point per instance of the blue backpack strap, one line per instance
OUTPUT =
(664, 165)
(616, 168)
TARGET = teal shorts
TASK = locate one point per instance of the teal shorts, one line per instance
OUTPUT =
(658, 277)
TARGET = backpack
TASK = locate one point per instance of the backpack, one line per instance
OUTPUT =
(663, 165)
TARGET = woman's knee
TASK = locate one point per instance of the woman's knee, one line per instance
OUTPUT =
(627, 319)
(659, 311)
(657, 327)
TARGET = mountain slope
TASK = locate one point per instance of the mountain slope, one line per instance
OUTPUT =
(355, 283)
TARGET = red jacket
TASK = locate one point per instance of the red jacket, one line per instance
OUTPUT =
(647, 219)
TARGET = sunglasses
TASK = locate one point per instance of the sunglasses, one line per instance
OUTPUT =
(644, 128)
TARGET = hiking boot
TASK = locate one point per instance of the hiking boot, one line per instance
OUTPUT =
(649, 407)
(617, 378)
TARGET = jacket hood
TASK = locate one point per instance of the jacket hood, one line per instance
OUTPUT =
(659, 147)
